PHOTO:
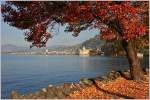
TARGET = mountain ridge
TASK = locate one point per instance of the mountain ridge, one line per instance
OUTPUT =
(93, 43)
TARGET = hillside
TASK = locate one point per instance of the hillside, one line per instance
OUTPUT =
(93, 43)
(12, 48)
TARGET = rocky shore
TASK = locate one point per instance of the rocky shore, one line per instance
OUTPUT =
(92, 88)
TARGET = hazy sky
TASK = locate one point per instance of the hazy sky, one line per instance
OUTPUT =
(12, 35)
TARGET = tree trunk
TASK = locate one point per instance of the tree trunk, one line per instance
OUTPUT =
(135, 69)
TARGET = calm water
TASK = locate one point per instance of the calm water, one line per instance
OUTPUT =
(29, 73)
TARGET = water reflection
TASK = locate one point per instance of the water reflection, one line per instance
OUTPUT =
(85, 62)
(113, 63)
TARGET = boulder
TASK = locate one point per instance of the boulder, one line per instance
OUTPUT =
(146, 71)
(44, 90)
(36, 95)
(117, 74)
(66, 88)
(14, 94)
(51, 92)
(85, 81)
(59, 93)
(50, 85)
(105, 79)
(126, 74)
(112, 75)
(99, 78)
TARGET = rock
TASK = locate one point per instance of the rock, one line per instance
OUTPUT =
(99, 78)
(60, 94)
(31, 96)
(42, 95)
(146, 71)
(105, 79)
(78, 86)
(128, 70)
(50, 85)
(37, 94)
(86, 81)
(111, 75)
(72, 85)
(44, 90)
(67, 88)
(14, 94)
(51, 93)
(117, 74)
(113, 71)
(127, 74)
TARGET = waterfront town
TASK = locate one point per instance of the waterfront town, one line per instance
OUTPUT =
(81, 51)
(93, 46)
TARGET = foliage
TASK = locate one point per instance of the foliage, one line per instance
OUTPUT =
(117, 20)
(119, 88)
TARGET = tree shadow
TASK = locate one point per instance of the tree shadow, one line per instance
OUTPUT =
(111, 93)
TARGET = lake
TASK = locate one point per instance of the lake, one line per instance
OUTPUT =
(29, 73)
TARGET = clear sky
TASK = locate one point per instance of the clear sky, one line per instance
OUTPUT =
(12, 35)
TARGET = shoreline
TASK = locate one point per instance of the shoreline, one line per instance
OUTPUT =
(69, 55)
(69, 90)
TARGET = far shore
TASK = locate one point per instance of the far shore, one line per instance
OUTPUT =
(68, 55)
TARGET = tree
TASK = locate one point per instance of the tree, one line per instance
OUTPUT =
(117, 20)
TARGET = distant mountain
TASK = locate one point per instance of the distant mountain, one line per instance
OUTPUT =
(12, 48)
(57, 46)
(94, 42)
